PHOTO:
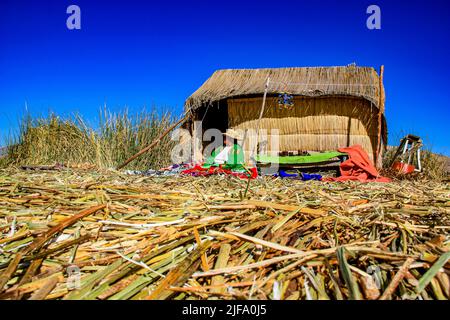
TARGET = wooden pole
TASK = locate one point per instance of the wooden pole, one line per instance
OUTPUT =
(154, 143)
(377, 161)
(262, 112)
(263, 104)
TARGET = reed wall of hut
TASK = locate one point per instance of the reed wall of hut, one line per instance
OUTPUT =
(310, 124)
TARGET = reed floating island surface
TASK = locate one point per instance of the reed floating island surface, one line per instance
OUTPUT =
(78, 234)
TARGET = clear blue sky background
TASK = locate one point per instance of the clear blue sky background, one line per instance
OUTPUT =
(139, 53)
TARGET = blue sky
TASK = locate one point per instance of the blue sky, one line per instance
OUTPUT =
(139, 54)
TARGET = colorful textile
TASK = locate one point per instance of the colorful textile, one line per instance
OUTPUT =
(172, 170)
(235, 159)
(233, 166)
(222, 156)
(306, 177)
(199, 170)
(358, 167)
(302, 176)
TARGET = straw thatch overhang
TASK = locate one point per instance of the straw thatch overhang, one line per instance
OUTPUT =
(362, 82)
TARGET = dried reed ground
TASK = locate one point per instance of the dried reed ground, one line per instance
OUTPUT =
(276, 239)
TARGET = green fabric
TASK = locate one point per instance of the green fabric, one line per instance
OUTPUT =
(319, 157)
(235, 159)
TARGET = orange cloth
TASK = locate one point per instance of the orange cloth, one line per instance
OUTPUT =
(358, 167)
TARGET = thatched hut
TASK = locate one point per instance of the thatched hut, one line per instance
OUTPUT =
(332, 107)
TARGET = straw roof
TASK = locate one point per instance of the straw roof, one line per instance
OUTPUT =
(362, 82)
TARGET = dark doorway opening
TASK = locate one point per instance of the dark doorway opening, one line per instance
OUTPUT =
(214, 117)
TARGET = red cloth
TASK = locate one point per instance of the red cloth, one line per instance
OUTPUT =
(358, 167)
(198, 170)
